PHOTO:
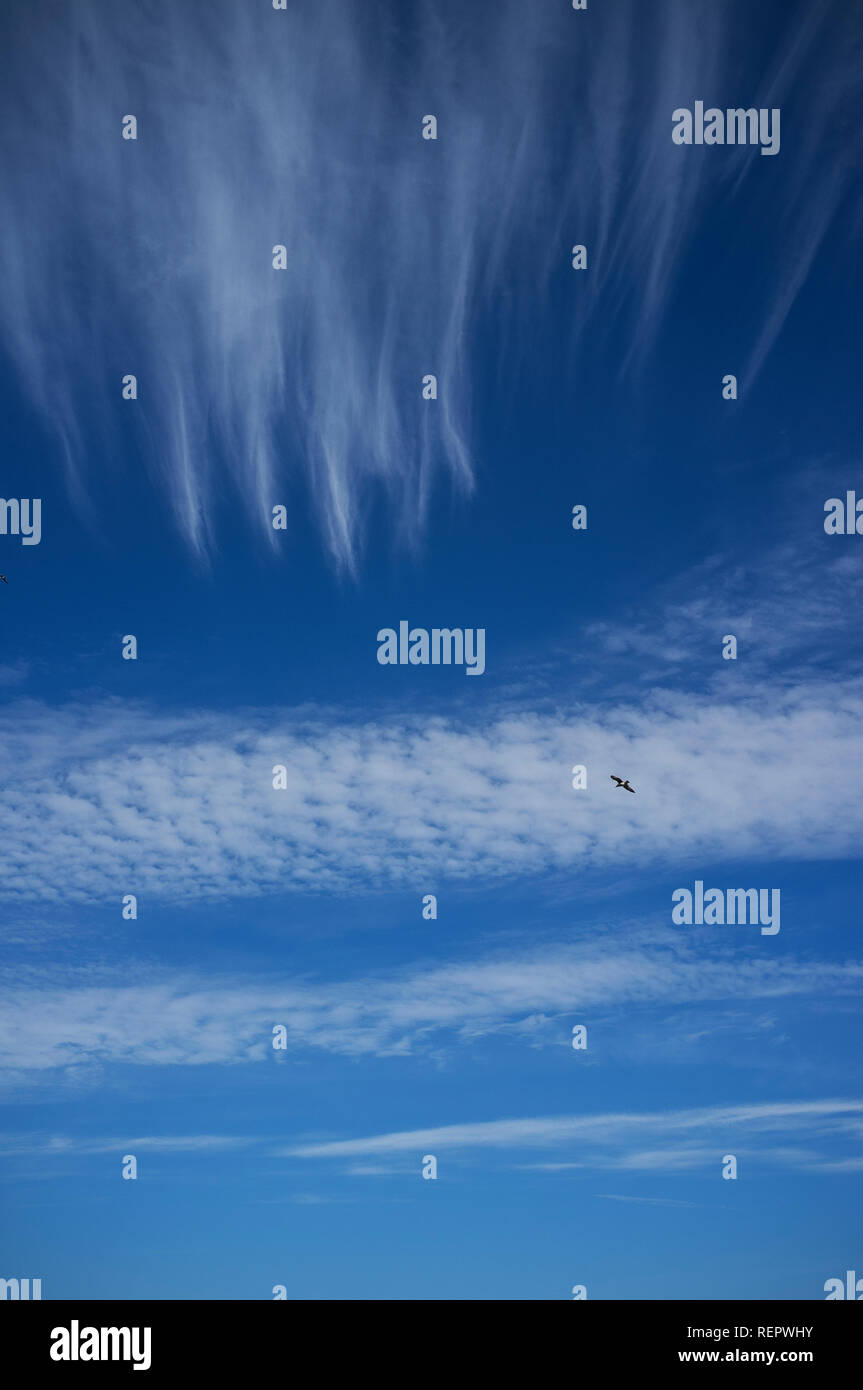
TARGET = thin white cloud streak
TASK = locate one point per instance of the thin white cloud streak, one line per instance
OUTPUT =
(62, 1146)
(14, 673)
(645, 1201)
(764, 1136)
(792, 612)
(48, 1024)
(111, 799)
(828, 38)
(303, 128)
(690, 1139)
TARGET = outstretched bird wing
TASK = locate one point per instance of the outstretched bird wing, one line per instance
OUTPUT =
(618, 780)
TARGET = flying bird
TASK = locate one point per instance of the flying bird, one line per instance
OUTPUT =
(620, 782)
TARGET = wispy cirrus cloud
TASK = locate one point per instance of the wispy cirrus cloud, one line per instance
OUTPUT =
(154, 256)
(52, 1025)
(803, 1135)
(14, 673)
(786, 1134)
(62, 1146)
(645, 1201)
(792, 609)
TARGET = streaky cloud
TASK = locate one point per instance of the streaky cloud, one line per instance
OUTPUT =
(302, 128)
(690, 1139)
(51, 1028)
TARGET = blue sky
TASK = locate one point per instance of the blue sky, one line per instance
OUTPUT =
(257, 647)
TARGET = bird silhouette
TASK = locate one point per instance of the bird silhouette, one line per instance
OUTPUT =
(620, 782)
